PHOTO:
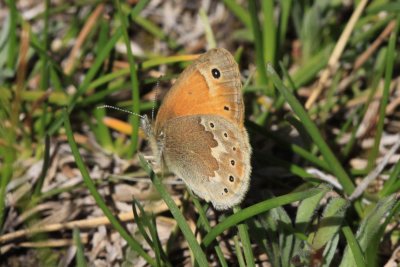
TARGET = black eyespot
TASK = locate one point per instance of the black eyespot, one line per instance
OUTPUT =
(232, 162)
(226, 135)
(212, 125)
(215, 73)
(231, 178)
(234, 148)
(226, 107)
(226, 190)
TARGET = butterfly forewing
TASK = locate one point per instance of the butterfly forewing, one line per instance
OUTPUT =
(211, 85)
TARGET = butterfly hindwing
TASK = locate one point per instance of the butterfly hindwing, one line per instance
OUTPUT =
(214, 163)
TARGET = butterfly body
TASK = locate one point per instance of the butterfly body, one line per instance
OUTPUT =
(199, 133)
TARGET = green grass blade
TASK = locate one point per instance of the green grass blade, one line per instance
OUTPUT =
(144, 220)
(245, 240)
(160, 254)
(45, 168)
(371, 253)
(369, 229)
(392, 185)
(88, 78)
(155, 30)
(199, 255)
(282, 224)
(96, 195)
(80, 255)
(313, 131)
(45, 68)
(269, 31)
(283, 24)
(261, 235)
(6, 175)
(354, 246)
(258, 43)
(330, 251)
(101, 131)
(207, 28)
(239, 12)
(255, 210)
(141, 221)
(134, 81)
(12, 35)
(390, 60)
(239, 254)
(204, 221)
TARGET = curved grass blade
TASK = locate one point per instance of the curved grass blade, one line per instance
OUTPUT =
(145, 220)
(245, 240)
(206, 224)
(255, 210)
(368, 230)
(133, 79)
(239, 253)
(336, 168)
(88, 78)
(354, 246)
(96, 195)
(198, 253)
(80, 255)
(390, 61)
(258, 42)
(330, 251)
(239, 12)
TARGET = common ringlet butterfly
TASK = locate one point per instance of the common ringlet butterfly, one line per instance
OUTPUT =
(199, 133)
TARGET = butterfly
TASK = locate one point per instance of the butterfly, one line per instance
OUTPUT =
(199, 133)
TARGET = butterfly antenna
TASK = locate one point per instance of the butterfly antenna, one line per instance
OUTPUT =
(123, 110)
(155, 98)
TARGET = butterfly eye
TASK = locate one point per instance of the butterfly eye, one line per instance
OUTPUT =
(216, 73)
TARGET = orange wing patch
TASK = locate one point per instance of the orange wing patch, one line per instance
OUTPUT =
(191, 96)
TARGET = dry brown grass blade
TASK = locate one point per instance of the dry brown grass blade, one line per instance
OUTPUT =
(374, 46)
(87, 223)
(92, 20)
(391, 108)
(362, 99)
(375, 173)
(336, 54)
(361, 59)
(51, 243)
(21, 74)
